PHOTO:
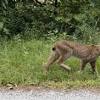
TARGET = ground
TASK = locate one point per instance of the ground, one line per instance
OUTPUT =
(21, 64)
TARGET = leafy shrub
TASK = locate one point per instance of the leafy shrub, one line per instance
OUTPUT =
(69, 18)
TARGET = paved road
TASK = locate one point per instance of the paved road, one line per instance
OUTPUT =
(49, 95)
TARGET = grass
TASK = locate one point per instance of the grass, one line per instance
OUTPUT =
(21, 64)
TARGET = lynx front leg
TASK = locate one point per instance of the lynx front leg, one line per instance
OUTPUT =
(93, 66)
(83, 64)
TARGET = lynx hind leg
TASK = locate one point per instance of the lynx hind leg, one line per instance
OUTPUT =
(65, 67)
(61, 60)
(52, 58)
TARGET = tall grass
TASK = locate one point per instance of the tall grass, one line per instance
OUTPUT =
(21, 63)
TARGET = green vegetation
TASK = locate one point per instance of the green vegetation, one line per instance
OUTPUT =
(21, 63)
(28, 19)
(29, 27)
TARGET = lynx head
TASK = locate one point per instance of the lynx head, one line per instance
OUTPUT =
(98, 46)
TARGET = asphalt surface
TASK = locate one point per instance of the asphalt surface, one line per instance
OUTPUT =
(49, 95)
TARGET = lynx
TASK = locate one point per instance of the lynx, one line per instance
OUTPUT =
(63, 49)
